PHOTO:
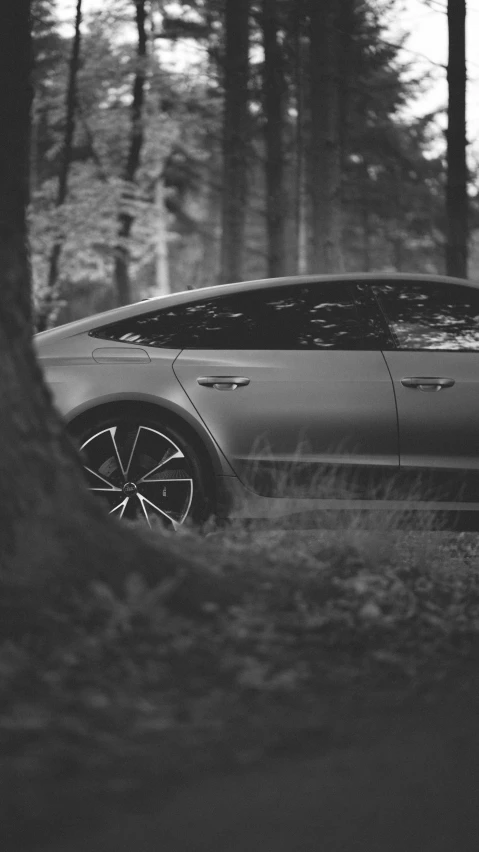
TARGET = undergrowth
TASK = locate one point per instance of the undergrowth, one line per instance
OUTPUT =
(91, 680)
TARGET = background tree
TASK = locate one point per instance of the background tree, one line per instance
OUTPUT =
(388, 179)
(274, 91)
(456, 186)
(43, 316)
(235, 137)
(325, 156)
(125, 217)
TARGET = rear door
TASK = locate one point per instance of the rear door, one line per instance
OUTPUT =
(435, 371)
(291, 381)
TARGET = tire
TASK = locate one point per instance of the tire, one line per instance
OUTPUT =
(144, 469)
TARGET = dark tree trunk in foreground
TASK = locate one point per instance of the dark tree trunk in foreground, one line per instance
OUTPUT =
(235, 138)
(53, 533)
(44, 317)
(126, 218)
(456, 186)
(325, 142)
(273, 89)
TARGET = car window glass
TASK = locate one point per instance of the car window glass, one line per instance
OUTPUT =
(323, 316)
(431, 316)
(317, 316)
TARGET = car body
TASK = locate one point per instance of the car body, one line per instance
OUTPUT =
(276, 396)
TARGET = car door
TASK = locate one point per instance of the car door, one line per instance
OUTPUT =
(434, 365)
(291, 383)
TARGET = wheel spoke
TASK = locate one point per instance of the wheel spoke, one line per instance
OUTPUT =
(166, 479)
(143, 508)
(144, 500)
(175, 455)
(110, 487)
(121, 507)
(112, 432)
(133, 450)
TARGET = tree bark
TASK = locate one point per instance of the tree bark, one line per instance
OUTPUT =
(45, 313)
(54, 536)
(457, 225)
(366, 234)
(126, 218)
(235, 138)
(162, 275)
(325, 144)
(300, 188)
(273, 96)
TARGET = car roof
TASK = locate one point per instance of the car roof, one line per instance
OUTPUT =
(157, 302)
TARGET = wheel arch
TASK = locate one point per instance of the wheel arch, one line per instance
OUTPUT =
(209, 454)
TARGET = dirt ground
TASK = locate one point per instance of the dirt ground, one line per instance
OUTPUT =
(399, 782)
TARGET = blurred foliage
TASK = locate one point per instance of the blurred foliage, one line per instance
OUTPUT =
(393, 166)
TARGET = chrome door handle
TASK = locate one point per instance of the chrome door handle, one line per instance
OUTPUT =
(428, 384)
(223, 382)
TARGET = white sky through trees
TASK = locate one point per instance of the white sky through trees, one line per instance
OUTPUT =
(426, 45)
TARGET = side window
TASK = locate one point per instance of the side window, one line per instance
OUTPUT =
(431, 316)
(314, 316)
(322, 316)
(223, 323)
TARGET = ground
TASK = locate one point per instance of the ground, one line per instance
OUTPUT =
(337, 698)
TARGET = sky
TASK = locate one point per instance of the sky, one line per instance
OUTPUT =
(426, 23)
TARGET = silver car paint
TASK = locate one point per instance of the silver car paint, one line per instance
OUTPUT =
(339, 406)
(80, 382)
(438, 429)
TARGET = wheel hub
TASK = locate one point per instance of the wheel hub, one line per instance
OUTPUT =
(129, 489)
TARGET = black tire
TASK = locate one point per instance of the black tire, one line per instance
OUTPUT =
(143, 468)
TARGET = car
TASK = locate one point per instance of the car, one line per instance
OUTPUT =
(265, 398)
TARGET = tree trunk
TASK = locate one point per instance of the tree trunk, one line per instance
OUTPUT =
(456, 185)
(54, 534)
(126, 218)
(300, 189)
(235, 138)
(273, 94)
(325, 145)
(45, 317)
(366, 234)
(346, 62)
(162, 276)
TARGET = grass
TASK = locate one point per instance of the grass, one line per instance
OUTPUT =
(106, 696)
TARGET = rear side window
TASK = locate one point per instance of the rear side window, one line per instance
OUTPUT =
(322, 316)
(431, 316)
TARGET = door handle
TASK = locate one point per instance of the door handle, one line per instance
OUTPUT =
(223, 382)
(427, 384)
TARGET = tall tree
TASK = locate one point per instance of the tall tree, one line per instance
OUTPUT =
(235, 138)
(273, 95)
(325, 141)
(297, 27)
(456, 184)
(54, 535)
(44, 315)
(126, 216)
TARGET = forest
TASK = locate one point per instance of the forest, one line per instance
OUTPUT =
(180, 145)
(248, 687)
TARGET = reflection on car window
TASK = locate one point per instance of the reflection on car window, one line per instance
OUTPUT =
(323, 316)
(431, 316)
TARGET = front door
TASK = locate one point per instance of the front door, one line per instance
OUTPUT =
(295, 391)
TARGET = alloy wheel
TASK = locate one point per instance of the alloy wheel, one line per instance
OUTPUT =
(140, 472)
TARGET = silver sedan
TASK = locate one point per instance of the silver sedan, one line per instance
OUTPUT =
(276, 396)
